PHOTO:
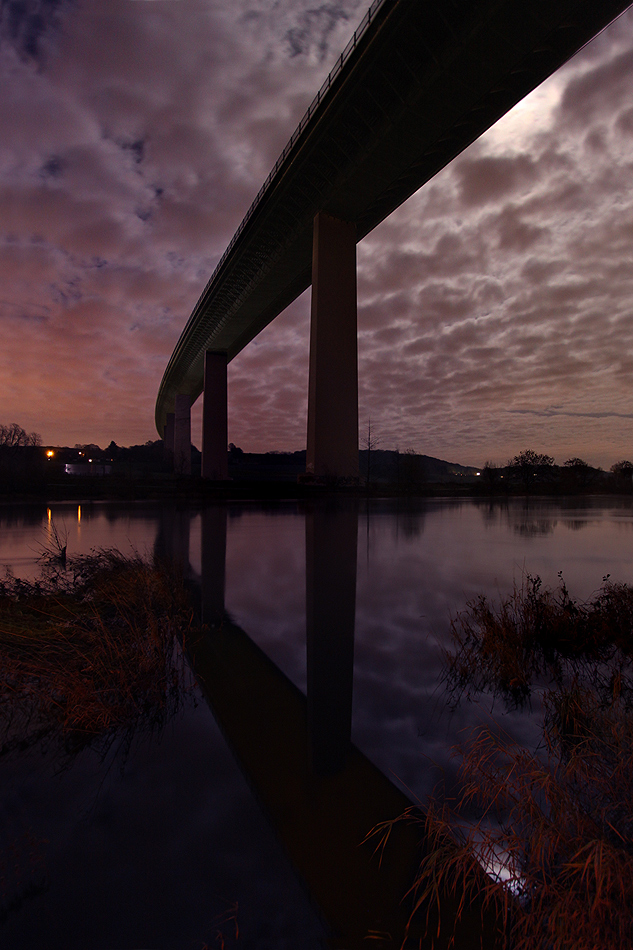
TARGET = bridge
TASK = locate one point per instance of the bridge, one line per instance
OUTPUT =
(419, 81)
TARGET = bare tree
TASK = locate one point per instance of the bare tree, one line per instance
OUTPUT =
(492, 473)
(20, 460)
(412, 469)
(14, 436)
(623, 471)
(369, 442)
(578, 471)
(528, 465)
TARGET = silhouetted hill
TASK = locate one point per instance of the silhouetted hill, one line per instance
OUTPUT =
(385, 466)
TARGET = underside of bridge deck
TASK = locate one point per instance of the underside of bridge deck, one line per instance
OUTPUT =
(420, 82)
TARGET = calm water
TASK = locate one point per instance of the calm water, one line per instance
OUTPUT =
(164, 853)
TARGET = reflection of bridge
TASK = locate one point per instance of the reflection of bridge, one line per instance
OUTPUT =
(416, 85)
(321, 795)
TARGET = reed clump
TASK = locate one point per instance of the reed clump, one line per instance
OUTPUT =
(553, 826)
(91, 651)
(545, 636)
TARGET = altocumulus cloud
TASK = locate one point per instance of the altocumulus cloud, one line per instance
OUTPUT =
(134, 135)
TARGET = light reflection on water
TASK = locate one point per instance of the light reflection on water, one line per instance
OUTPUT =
(180, 824)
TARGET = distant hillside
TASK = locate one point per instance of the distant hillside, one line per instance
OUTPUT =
(386, 466)
(390, 466)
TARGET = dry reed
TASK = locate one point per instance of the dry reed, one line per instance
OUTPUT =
(553, 827)
(543, 635)
(90, 651)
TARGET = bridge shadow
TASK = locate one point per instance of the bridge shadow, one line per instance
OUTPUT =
(321, 795)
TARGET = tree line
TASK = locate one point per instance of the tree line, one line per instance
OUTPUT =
(530, 468)
(14, 436)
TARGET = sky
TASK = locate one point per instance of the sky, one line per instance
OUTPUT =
(495, 307)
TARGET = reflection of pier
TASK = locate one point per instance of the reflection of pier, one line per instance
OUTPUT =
(331, 541)
(321, 794)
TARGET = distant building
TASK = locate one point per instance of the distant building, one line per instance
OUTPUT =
(88, 468)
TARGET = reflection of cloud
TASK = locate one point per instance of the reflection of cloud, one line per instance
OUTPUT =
(133, 138)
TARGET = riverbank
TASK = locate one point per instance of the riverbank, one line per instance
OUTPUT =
(162, 487)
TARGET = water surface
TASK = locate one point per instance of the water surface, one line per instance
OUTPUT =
(165, 853)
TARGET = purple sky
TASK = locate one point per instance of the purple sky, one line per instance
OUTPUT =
(495, 306)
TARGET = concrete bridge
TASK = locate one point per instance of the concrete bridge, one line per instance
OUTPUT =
(418, 82)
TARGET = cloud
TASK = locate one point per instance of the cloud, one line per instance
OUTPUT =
(487, 178)
(133, 138)
(548, 413)
(27, 23)
(602, 89)
(314, 28)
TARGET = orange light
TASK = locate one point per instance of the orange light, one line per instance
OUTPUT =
(50, 453)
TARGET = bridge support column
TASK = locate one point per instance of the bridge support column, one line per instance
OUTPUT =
(182, 435)
(168, 439)
(332, 451)
(214, 418)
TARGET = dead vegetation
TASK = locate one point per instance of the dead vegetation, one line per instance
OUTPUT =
(546, 637)
(553, 826)
(90, 651)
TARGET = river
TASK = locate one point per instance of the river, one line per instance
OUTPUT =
(352, 603)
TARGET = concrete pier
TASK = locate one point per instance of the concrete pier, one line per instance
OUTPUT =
(182, 435)
(215, 418)
(332, 452)
(168, 438)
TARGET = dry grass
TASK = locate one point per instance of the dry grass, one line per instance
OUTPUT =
(553, 827)
(90, 651)
(539, 634)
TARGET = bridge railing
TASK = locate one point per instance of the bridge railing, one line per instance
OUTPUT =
(312, 108)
